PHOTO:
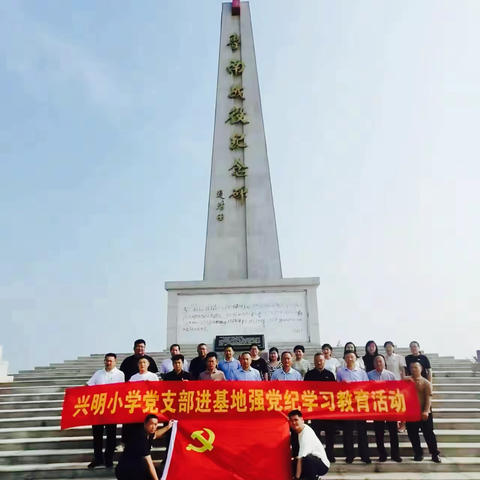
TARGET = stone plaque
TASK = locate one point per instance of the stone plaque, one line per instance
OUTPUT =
(239, 342)
(277, 315)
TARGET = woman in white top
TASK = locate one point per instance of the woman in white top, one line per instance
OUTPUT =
(143, 373)
(331, 363)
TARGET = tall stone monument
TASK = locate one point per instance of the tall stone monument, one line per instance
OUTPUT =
(4, 377)
(242, 291)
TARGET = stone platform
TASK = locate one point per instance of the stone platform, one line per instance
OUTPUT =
(32, 446)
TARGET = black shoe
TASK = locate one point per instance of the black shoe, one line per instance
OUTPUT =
(332, 459)
(418, 458)
(367, 460)
(95, 464)
(382, 458)
(436, 459)
(108, 464)
(397, 459)
(349, 459)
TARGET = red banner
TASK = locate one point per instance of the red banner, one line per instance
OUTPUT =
(230, 449)
(130, 402)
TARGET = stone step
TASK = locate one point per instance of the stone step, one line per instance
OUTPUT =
(39, 421)
(15, 389)
(75, 455)
(463, 442)
(31, 397)
(453, 465)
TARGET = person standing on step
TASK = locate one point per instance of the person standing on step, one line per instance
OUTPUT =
(212, 372)
(416, 356)
(258, 362)
(352, 373)
(167, 364)
(136, 461)
(311, 461)
(331, 364)
(274, 362)
(286, 372)
(109, 374)
(371, 351)
(424, 392)
(229, 364)
(394, 362)
(350, 347)
(178, 373)
(246, 372)
(321, 374)
(130, 365)
(143, 373)
(300, 364)
(380, 374)
(197, 365)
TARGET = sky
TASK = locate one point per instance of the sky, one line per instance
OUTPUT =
(371, 112)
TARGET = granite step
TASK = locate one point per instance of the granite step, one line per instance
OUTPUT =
(452, 465)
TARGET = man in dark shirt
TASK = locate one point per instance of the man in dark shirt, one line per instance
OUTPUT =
(417, 357)
(197, 365)
(258, 363)
(130, 365)
(177, 373)
(321, 374)
(136, 462)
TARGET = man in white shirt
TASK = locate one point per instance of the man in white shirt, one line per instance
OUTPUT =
(331, 363)
(311, 462)
(394, 362)
(167, 364)
(143, 373)
(109, 374)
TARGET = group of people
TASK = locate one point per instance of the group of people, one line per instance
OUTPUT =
(250, 366)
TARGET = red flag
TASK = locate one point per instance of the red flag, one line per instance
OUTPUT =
(220, 449)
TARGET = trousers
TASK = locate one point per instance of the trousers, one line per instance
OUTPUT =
(97, 431)
(312, 467)
(426, 426)
(348, 428)
(380, 438)
(327, 426)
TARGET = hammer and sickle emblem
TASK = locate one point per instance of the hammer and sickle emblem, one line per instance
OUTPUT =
(206, 444)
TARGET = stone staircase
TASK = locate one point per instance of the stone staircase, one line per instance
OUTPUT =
(32, 446)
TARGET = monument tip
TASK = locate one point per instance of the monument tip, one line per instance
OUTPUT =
(235, 7)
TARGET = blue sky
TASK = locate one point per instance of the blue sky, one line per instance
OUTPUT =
(371, 111)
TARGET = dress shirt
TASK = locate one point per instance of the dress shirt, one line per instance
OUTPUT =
(228, 368)
(384, 375)
(292, 374)
(102, 377)
(355, 375)
(216, 375)
(244, 375)
(167, 365)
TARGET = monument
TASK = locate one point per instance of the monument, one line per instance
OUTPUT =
(242, 291)
(4, 377)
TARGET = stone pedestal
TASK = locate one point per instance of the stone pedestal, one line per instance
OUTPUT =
(283, 310)
(4, 377)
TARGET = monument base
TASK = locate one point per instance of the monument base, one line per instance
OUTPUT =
(279, 309)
